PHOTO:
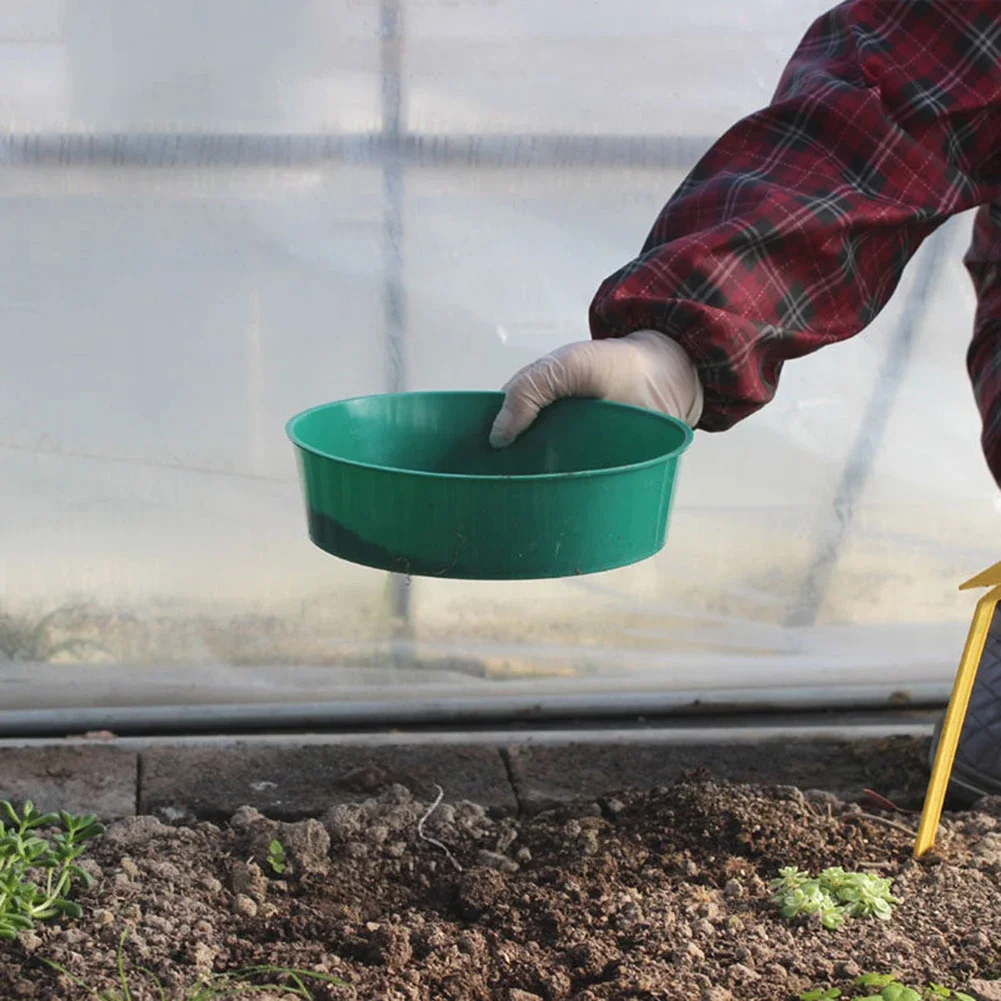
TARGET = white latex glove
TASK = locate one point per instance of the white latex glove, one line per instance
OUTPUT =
(645, 369)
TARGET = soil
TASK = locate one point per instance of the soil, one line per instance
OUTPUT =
(656, 894)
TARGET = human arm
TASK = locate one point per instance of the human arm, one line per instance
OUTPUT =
(794, 229)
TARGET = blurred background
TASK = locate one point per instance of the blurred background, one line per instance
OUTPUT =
(218, 214)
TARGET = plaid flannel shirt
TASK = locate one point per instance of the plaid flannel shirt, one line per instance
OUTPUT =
(793, 230)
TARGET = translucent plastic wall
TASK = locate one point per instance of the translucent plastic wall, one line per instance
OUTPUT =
(218, 213)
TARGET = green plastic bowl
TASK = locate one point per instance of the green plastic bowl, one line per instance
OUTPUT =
(409, 483)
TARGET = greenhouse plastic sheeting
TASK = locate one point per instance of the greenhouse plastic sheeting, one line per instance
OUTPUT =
(212, 221)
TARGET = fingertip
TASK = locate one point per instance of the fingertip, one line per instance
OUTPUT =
(509, 425)
(502, 433)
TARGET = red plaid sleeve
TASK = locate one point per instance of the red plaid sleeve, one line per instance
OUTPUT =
(793, 230)
(984, 356)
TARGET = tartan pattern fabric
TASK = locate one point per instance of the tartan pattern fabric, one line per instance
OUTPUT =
(793, 230)
(978, 757)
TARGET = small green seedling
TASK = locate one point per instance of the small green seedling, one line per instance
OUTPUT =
(276, 857)
(214, 987)
(835, 895)
(886, 987)
(36, 873)
(935, 991)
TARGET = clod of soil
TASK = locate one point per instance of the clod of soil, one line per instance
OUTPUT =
(644, 895)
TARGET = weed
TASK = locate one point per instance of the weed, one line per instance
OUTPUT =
(835, 895)
(886, 987)
(276, 857)
(212, 987)
(37, 873)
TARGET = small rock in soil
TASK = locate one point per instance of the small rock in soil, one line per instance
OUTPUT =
(209, 883)
(733, 889)
(244, 906)
(134, 831)
(129, 868)
(307, 844)
(344, 822)
(246, 878)
(495, 860)
(29, 941)
(244, 817)
(985, 990)
(390, 946)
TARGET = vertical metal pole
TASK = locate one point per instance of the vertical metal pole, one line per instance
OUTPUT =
(393, 196)
(858, 468)
(255, 385)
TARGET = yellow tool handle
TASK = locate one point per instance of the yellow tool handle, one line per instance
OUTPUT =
(955, 715)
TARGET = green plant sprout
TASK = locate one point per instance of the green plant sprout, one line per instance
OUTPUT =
(835, 895)
(887, 988)
(36, 873)
(213, 987)
(276, 857)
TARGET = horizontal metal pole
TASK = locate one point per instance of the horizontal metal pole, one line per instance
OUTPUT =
(462, 711)
(361, 149)
(732, 730)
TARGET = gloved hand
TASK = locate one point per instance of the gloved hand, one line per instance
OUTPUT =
(645, 369)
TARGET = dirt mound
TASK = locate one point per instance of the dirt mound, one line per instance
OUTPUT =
(662, 894)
